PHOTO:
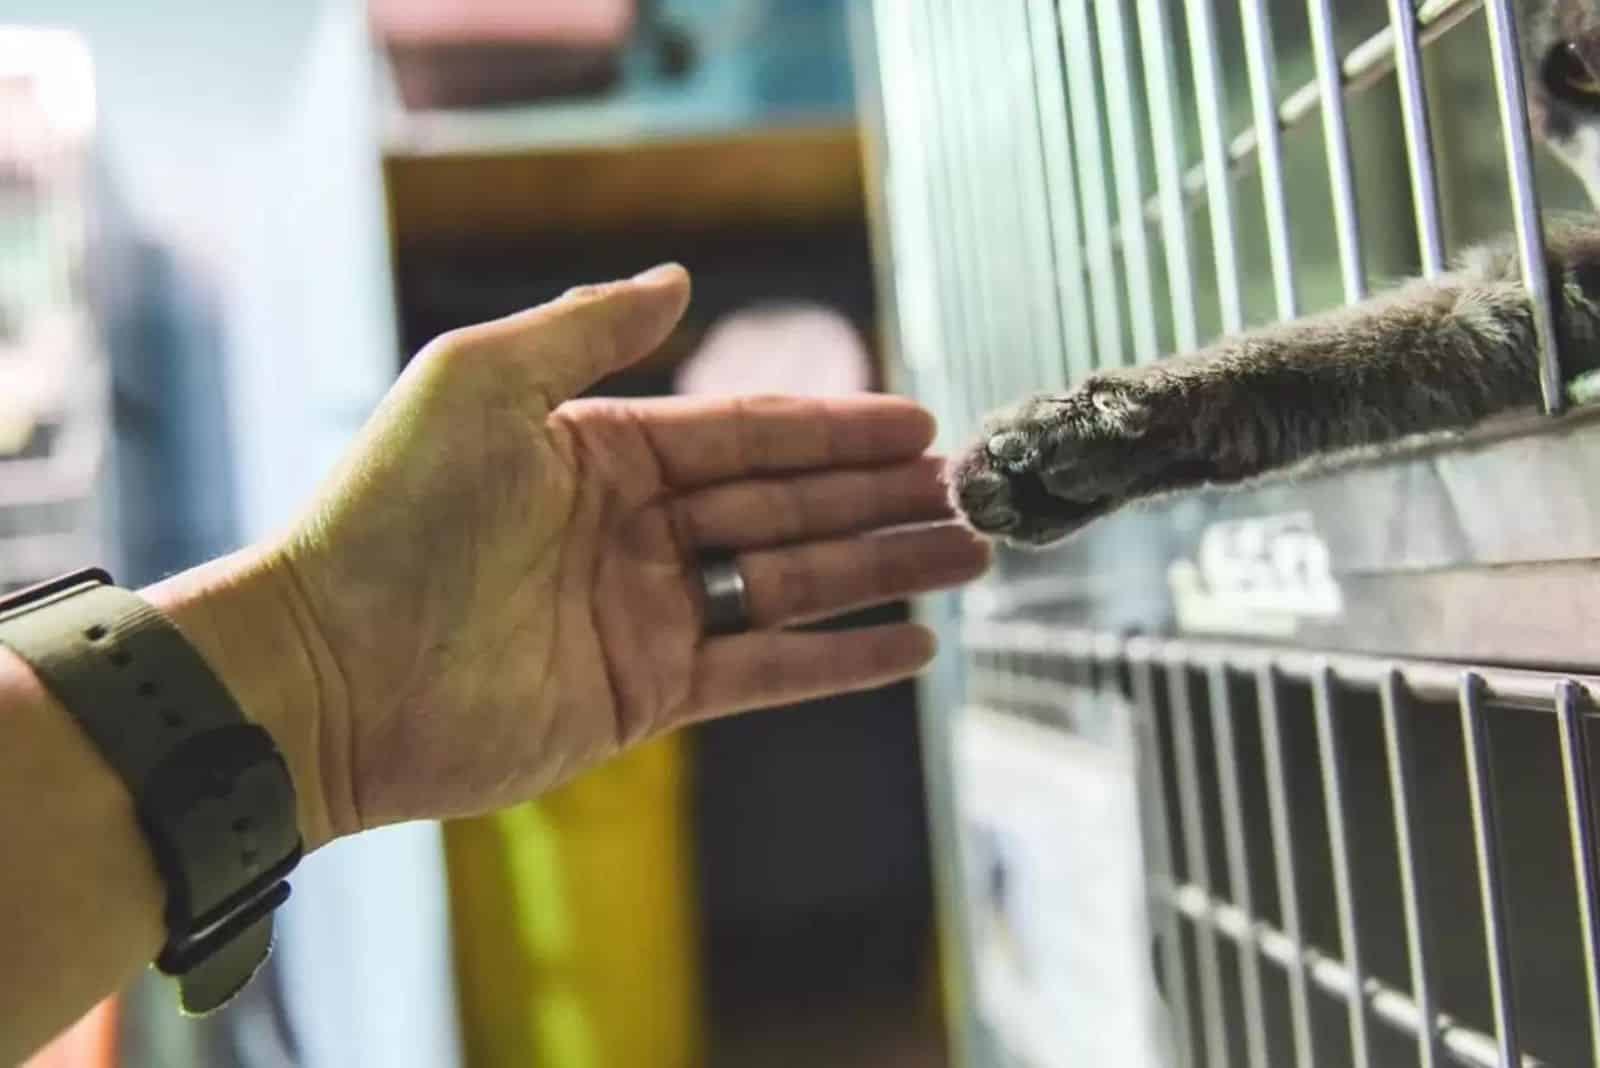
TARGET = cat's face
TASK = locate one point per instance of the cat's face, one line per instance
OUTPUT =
(1561, 44)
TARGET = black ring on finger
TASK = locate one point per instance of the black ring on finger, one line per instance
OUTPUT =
(727, 603)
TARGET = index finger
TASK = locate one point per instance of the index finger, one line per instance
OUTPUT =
(705, 440)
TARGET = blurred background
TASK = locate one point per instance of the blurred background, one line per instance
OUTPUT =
(223, 228)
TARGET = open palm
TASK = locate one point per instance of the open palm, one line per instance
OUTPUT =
(504, 584)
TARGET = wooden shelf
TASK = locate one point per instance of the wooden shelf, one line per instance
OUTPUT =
(791, 176)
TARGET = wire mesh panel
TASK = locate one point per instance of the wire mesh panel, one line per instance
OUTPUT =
(1086, 171)
(1350, 860)
(1318, 896)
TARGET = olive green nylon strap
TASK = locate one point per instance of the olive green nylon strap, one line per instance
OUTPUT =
(211, 792)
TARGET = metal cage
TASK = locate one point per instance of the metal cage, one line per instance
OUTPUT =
(1359, 748)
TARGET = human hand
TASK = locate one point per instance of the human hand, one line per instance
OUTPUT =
(500, 586)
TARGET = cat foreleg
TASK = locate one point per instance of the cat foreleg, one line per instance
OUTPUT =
(1431, 356)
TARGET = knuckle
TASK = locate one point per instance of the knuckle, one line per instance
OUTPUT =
(450, 346)
(589, 292)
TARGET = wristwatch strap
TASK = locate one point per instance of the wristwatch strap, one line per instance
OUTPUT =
(211, 790)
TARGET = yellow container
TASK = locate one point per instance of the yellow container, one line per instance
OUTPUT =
(573, 920)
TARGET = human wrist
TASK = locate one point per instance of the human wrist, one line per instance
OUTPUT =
(245, 617)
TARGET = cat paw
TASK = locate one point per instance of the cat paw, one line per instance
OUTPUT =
(1056, 462)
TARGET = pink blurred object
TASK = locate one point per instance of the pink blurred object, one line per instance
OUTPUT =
(797, 349)
(89, 1043)
(597, 23)
(477, 53)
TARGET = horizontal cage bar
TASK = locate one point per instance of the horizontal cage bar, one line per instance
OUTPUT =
(1392, 1006)
(1361, 68)
(1430, 680)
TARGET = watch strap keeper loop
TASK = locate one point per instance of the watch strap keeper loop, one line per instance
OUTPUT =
(211, 791)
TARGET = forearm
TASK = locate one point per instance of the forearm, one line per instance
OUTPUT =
(80, 898)
(1435, 356)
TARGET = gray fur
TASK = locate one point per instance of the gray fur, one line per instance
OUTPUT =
(1425, 358)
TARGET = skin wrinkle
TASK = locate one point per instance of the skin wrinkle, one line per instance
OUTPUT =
(312, 637)
(658, 472)
(831, 450)
(890, 571)
(784, 501)
(388, 748)
(741, 433)
(469, 659)
(620, 732)
(791, 443)
(678, 567)
(764, 450)
(797, 592)
(686, 532)
(599, 348)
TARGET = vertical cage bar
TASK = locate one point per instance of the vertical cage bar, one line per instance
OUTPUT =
(987, 171)
(1262, 72)
(1166, 135)
(1408, 836)
(1283, 854)
(1524, 195)
(919, 58)
(1199, 865)
(907, 174)
(946, 77)
(950, 295)
(1083, 100)
(956, 304)
(1226, 751)
(1038, 284)
(1330, 751)
(1061, 187)
(1042, 283)
(965, 71)
(1336, 143)
(1208, 93)
(1571, 707)
(1119, 81)
(953, 75)
(1491, 885)
(1419, 143)
(1163, 880)
(1014, 273)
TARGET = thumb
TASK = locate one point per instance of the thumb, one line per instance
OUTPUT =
(592, 331)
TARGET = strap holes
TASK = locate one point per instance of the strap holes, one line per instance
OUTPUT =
(95, 633)
(147, 689)
(243, 824)
(121, 657)
(248, 857)
(171, 717)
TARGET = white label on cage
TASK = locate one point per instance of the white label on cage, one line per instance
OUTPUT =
(1261, 575)
(1055, 894)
